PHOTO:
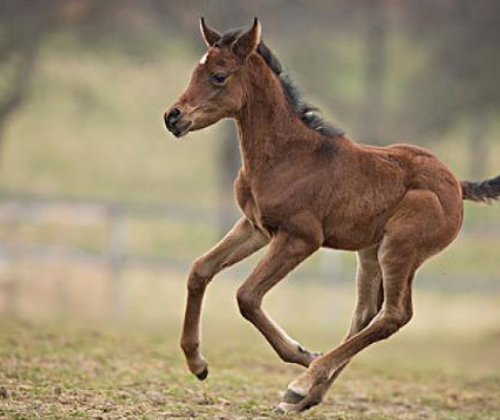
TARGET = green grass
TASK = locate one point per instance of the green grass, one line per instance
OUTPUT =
(443, 366)
(55, 372)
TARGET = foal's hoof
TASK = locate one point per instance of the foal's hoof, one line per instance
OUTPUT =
(292, 397)
(283, 408)
(203, 374)
(302, 404)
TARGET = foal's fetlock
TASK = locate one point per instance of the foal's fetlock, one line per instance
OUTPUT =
(311, 355)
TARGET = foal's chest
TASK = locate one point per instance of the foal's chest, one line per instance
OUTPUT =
(248, 203)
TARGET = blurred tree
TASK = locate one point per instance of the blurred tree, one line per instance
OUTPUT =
(20, 29)
(24, 25)
(375, 32)
(459, 82)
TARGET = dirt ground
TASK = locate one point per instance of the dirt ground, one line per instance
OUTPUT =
(72, 371)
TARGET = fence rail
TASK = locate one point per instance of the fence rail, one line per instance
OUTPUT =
(18, 209)
(15, 209)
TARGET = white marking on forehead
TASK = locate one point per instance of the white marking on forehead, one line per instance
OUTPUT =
(204, 58)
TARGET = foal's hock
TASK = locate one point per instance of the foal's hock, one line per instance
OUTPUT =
(304, 185)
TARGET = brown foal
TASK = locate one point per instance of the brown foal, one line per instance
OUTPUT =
(304, 185)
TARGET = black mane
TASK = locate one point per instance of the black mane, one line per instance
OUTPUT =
(308, 114)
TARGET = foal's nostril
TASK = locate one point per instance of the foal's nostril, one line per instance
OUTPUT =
(175, 113)
(172, 117)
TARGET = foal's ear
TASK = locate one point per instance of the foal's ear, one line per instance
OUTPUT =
(249, 41)
(210, 36)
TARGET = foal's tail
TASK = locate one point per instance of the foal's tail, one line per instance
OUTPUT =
(482, 191)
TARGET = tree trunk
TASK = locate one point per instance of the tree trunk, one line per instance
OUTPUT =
(18, 87)
(479, 146)
(376, 57)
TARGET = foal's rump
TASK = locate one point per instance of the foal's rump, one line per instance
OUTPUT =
(426, 165)
(424, 171)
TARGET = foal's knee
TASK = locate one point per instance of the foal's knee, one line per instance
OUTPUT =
(390, 323)
(199, 275)
(248, 303)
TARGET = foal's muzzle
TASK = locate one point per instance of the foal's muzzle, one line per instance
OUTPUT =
(174, 123)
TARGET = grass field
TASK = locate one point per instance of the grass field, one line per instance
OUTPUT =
(445, 365)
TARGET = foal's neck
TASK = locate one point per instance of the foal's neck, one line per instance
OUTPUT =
(267, 123)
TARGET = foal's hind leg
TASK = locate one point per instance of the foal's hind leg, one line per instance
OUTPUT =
(285, 252)
(368, 304)
(241, 241)
(419, 229)
(396, 312)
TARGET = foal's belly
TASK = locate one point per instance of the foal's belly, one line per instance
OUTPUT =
(354, 240)
(354, 233)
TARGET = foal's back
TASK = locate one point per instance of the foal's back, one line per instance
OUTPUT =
(370, 183)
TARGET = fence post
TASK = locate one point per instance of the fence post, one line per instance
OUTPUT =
(116, 259)
(11, 294)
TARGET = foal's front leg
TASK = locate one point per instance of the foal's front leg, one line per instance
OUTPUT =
(284, 254)
(240, 242)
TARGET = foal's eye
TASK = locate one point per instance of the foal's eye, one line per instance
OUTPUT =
(219, 78)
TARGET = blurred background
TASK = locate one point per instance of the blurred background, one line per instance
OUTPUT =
(102, 211)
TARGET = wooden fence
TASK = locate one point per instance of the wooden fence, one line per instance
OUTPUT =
(18, 209)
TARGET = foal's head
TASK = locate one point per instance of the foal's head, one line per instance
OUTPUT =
(217, 86)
